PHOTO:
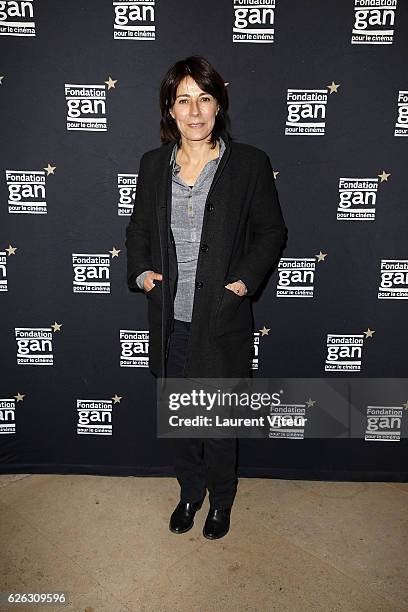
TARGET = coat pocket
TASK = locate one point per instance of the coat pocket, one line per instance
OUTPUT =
(156, 292)
(234, 313)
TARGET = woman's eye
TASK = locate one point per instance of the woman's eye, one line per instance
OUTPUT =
(205, 98)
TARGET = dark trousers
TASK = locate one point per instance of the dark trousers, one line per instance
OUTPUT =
(200, 464)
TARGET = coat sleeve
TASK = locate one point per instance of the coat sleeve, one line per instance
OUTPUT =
(138, 231)
(268, 232)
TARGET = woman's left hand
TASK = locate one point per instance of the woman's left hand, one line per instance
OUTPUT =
(237, 287)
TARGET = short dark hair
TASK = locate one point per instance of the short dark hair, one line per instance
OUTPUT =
(209, 80)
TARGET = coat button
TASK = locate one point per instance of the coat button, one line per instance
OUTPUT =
(204, 247)
(199, 284)
(210, 206)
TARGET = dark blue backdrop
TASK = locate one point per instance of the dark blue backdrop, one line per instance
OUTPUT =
(74, 44)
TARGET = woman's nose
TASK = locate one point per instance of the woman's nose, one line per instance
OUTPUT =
(194, 107)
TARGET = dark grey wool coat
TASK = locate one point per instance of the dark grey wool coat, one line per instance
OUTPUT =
(242, 236)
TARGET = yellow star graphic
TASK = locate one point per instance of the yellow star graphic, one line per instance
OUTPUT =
(19, 397)
(333, 87)
(265, 331)
(369, 333)
(116, 399)
(11, 250)
(405, 405)
(50, 169)
(384, 176)
(1, 79)
(114, 252)
(310, 402)
(111, 83)
(275, 173)
(56, 326)
(321, 256)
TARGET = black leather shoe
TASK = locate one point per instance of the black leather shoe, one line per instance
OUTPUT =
(182, 518)
(217, 523)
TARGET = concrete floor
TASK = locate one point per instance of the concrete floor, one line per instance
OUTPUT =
(292, 546)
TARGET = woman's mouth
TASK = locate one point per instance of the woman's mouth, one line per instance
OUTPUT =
(196, 125)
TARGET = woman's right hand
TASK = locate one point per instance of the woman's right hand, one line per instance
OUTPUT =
(148, 283)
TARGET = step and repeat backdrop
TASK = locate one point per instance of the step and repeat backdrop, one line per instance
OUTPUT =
(322, 87)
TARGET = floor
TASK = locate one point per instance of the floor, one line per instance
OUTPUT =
(292, 546)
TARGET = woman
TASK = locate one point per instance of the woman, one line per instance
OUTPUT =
(206, 229)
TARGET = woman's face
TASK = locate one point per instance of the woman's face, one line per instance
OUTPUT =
(194, 110)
